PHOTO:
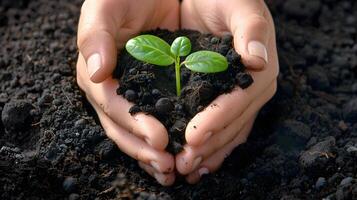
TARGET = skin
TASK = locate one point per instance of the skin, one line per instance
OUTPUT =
(104, 28)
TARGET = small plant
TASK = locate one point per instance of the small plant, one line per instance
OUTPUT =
(154, 50)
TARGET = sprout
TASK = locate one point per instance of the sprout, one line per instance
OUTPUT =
(154, 50)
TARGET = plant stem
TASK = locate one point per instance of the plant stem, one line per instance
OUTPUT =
(178, 76)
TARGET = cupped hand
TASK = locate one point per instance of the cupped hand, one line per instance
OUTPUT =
(104, 28)
(213, 133)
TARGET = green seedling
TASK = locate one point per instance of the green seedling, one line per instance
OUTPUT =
(154, 50)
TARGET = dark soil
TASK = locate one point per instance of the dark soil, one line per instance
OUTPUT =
(153, 88)
(303, 146)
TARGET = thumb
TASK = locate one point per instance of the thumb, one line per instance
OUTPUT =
(251, 33)
(96, 40)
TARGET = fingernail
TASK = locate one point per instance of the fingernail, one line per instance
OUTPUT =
(256, 48)
(196, 162)
(206, 137)
(203, 171)
(94, 62)
(155, 165)
(161, 178)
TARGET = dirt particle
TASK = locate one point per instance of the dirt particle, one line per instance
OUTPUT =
(244, 80)
(233, 57)
(16, 115)
(350, 111)
(134, 109)
(320, 183)
(156, 92)
(179, 126)
(69, 184)
(164, 106)
(214, 40)
(223, 49)
(130, 95)
(227, 39)
(73, 196)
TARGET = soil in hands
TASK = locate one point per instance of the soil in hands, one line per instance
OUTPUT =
(152, 88)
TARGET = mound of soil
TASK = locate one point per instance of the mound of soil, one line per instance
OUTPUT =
(153, 90)
(303, 144)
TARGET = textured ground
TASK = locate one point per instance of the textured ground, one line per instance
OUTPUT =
(304, 144)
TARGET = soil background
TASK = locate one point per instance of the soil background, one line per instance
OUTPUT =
(303, 146)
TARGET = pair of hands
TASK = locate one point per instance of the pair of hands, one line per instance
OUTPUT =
(104, 28)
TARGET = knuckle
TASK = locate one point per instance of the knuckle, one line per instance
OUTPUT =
(81, 39)
(84, 35)
(90, 32)
(258, 21)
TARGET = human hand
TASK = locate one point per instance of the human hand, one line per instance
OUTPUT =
(104, 28)
(213, 133)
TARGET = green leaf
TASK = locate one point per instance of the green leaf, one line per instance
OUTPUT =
(181, 46)
(150, 49)
(206, 62)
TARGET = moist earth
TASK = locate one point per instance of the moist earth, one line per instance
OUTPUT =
(303, 144)
(153, 90)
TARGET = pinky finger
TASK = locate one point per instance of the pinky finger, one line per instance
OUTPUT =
(214, 162)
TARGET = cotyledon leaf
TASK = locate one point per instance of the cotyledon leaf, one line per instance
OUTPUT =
(181, 46)
(150, 49)
(206, 62)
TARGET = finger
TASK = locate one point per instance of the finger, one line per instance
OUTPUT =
(163, 179)
(213, 163)
(247, 20)
(170, 19)
(251, 29)
(196, 155)
(133, 146)
(190, 11)
(228, 107)
(190, 158)
(117, 108)
(97, 36)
